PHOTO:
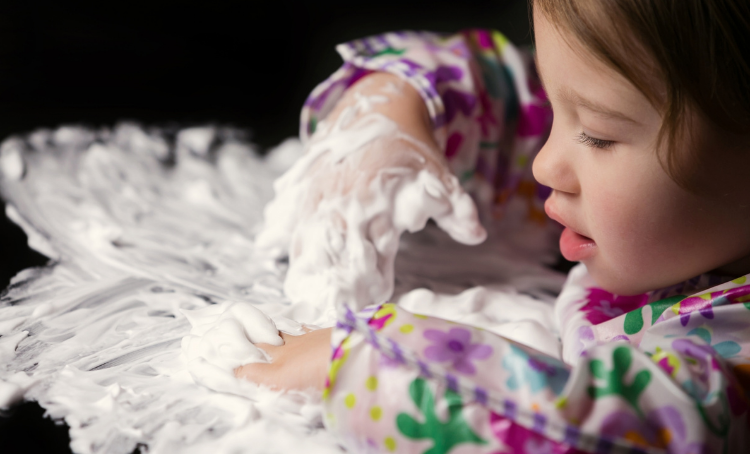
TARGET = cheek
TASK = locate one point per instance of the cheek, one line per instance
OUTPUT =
(637, 232)
(617, 220)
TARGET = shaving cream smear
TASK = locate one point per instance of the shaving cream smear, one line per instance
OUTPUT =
(339, 212)
(156, 289)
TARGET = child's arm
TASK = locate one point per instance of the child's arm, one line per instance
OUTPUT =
(338, 213)
(404, 382)
(372, 170)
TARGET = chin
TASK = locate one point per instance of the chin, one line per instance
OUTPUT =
(617, 282)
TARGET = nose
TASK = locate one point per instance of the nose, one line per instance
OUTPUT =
(554, 165)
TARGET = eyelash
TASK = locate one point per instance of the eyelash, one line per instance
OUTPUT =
(593, 142)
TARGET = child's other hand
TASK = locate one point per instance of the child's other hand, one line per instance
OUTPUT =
(371, 171)
(300, 364)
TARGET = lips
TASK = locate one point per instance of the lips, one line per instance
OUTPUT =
(574, 246)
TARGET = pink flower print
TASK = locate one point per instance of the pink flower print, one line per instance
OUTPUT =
(736, 295)
(539, 93)
(602, 306)
(338, 358)
(484, 39)
(338, 352)
(533, 121)
(521, 440)
(668, 362)
(704, 304)
(455, 346)
(700, 304)
(383, 317)
(453, 144)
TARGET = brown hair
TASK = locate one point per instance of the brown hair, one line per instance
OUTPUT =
(698, 49)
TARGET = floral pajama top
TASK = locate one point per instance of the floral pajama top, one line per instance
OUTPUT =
(666, 371)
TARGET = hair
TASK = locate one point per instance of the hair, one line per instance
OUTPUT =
(698, 52)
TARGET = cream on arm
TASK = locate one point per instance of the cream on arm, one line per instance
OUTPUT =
(371, 171)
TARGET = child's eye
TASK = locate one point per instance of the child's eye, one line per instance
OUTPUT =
(593, 142)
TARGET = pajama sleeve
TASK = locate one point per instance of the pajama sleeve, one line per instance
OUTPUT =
(488, 111)
(402, 382)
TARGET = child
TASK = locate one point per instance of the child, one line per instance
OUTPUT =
(646, 161)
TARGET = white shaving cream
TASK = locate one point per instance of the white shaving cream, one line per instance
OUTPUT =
(344, 252)
(157, 289)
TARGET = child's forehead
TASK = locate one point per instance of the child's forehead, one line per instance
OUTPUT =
(633, 70)
(572, 74)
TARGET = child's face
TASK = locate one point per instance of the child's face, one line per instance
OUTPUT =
(628, 221)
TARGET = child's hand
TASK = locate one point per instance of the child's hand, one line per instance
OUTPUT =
(301, 363)
(371, 171)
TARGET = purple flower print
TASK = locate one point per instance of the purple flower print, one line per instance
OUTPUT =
(693, 304)
(701, 363)
(602, 306)
(455, 346)
(585, 339)
(444, 74)
(457, 101)
(316, 102)
(704, 304)
(662, 428)
(386, 362)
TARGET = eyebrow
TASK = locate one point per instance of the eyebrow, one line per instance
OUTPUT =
(573, 97)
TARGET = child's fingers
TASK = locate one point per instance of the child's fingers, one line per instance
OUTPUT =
(273, 350)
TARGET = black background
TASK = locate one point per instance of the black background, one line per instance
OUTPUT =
(244, 63)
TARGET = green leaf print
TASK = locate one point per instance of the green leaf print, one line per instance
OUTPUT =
(445, 435)
(658, 307)
(614, 378)
(634, 319)
(389, 51)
